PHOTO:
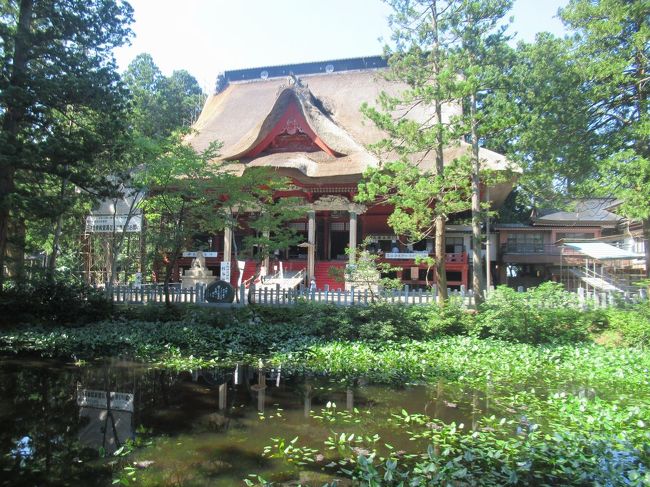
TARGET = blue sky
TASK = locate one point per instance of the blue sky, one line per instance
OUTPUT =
(207, 37)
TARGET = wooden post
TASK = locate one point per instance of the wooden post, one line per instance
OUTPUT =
(311, 245)
(353, 236)
(227, 244)
(242, 295)
(223, 391)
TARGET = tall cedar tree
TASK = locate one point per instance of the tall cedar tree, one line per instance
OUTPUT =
(423, 198)
(56, 58)
(480, 55)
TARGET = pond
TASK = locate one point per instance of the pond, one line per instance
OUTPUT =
(62, 423)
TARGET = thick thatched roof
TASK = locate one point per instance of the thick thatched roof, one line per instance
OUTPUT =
(245, 112)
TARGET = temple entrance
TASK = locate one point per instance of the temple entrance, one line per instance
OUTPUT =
(339, 241)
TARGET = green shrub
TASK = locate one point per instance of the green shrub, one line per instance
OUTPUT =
(633, 324)
(437, 321)
(53, 302)
(543, 314)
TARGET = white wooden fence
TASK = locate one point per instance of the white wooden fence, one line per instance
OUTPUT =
(155, 293)
(150, 293)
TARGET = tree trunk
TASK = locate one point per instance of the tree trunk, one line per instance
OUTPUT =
(440, 224)
(646, 245)
(51, 266)
(441, 268)
(13, 116)
(440, 230)
(478, 284)
(15, 258)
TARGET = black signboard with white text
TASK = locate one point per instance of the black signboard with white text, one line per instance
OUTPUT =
(220, 292)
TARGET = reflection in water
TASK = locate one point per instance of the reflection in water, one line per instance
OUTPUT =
(211, 424)
(108, 418)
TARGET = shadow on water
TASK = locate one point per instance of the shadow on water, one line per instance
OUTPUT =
(62, 423)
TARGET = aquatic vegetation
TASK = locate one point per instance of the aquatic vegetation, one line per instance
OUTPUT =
(560, 440)
(480, 363)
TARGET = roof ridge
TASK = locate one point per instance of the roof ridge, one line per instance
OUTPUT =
(308, 67)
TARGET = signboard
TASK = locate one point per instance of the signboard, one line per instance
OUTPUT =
(406, 255)
(119, 401)
(220, 292)
(110, 224)
(225, 271)
(205, 254)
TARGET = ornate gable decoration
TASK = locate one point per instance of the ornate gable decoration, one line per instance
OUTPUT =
(291, 133)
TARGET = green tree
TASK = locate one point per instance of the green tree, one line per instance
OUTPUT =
(182, 99)
(160, 104)
(190, 194)
(480, 56)
(611, 48)
(144, 80)
(423, 197)
(177, 180)
(447, 51)
(60, 97)
(551, 140)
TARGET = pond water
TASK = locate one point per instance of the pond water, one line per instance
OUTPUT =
(62, 423)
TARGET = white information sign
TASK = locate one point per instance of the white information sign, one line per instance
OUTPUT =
(205, 254)
(110, 223)
(225, 271)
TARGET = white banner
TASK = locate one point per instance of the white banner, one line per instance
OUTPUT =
(108, 224)
(205, 254)
(225, 271)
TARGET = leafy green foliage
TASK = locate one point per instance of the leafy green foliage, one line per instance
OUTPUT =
(633, 324)
(161, 104)
(61, 104)
(551, 139)
(412, 193)
(578, 442)
(543, 314)
(612, 53)
(541, 439)
(53, 302)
